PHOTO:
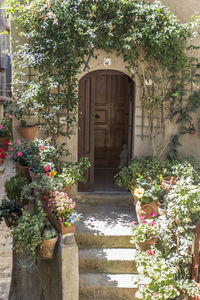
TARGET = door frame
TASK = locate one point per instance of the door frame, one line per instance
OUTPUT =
(86, 121)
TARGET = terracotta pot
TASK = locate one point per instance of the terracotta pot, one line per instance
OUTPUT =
(67, 189)
(11, 220)
(2, 140)
(144, 246)
(162, 212)
(135, 199)
(35, 176)
(146, 210)
(28, 133)
(60, 227)
(23, 171)
(47, 248)
(165, 184)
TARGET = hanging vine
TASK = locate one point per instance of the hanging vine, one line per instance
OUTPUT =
(60, 36)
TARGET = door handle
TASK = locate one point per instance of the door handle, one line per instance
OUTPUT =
(97, 117)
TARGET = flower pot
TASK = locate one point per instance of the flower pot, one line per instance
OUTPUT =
(23, 171)
(146, 210)
(47, 248)
(162, 212)
(35, 176)
(135, 199)
(67, 189)
(60, 226)
(144, 246)
(11, 219)
(28, 133)
(166, 185)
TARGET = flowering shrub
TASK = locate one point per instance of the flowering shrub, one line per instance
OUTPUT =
(63, 208)
(20, 151)
(159, 280)
(5, 126)
(2, 156)
(145, 231)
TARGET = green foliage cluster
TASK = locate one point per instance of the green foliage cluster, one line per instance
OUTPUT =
(60, 35)
(14, 187)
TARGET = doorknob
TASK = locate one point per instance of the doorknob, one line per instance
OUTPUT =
(97, 116)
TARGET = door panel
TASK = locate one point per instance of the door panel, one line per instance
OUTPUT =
(116, 124)
(85, 135)
(103, 119)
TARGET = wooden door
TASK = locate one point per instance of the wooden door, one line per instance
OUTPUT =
(103, 119)
(111, 117)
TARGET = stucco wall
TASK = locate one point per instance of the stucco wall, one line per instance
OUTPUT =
(184, 9)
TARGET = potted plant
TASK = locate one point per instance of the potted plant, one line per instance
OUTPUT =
(48, 242)
(20, 151)
(14, 187)
(145, 234)
(72, 173)
(148, 194)
(5, 132)
(43, 158)
(28, 234)
(28, 132)
(10, 211)
(61, 212)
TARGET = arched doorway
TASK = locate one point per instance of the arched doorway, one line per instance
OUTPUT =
(106, 124)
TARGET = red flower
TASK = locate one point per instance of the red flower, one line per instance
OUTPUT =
(47, 168)
(5, 143)
(41, 148)
(2, 161)
(2, 155)
(151, 252)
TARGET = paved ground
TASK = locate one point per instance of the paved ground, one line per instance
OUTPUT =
(5, 240)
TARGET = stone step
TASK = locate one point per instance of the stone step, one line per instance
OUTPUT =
(111, 260)
(107, 286)
(5, 285)
(104, 226)
(99, 241)
(123, 198)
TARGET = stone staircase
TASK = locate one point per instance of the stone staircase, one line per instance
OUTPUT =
(106, 257)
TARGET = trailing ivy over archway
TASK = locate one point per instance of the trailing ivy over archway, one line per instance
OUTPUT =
(59, 36)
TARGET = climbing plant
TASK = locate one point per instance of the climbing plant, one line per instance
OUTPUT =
(59, 37)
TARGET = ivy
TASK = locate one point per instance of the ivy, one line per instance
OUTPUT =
(60, 36)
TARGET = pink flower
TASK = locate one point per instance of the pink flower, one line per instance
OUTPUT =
(18, 141)
(144, 221)
(169, 287)
(10, 143)
(47, 168)
(143, 217)
(143, 284)
(153, 223)
(1, 127)
(19, 154)
(10, 149)
(153, 214)
(133, 223)
(10, 116)
(154, 295)
(10, 155)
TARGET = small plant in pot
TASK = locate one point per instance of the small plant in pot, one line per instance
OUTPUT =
(73, 173)
(14, 187)
(27, 235)
(148, 193)
(145, 234)
(5, 131)
(10, 211)
(62, 213)
(48, 243)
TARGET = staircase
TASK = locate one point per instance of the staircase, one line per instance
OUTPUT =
(106, 257)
